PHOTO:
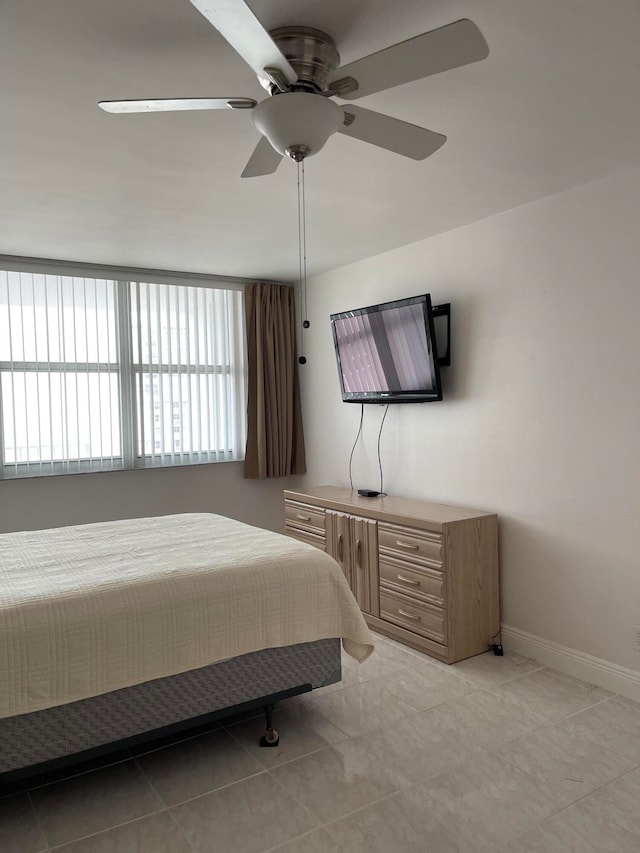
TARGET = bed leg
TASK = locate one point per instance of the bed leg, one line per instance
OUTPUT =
(271, 736)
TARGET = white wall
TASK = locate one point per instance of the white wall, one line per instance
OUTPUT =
(541, 418)
(80, 498)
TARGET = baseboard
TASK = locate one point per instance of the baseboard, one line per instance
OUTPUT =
(596, 671)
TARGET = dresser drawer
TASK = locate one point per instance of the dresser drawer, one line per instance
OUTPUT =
(304, 517)
(406, 543)
(420, 583)
(305, 536)
(417, 616)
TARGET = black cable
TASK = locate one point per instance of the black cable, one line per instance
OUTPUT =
(379, 437)
(355, 442)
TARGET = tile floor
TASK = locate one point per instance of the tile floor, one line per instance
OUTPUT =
(406, 754)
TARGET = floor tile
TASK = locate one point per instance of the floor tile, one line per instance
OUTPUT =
(485, 802)
(385, 660)
(158, 833)
(361, 708)
(247, 817)
(317, 841)
(197, 766)
(417, 752)
(552, 695)
(570, 762)
(340, 779)
(87, 804)
(424, 686)
(19, 830)
(489, 670)
(619, 802)
(302, 730)
(406, 753)
(416, 653)
(484, 718)
(393, 824)
(615, 724)
(632, 703)
(575, 829)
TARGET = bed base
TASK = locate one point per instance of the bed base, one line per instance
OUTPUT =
(44, 742)
(100, 756)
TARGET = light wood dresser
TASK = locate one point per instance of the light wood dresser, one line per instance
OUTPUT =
(424, 574)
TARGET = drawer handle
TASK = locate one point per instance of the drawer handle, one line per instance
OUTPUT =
(340, 548)
(407, 545)
(359, 554)
(303, 517)
(409, 615)
(408, 580)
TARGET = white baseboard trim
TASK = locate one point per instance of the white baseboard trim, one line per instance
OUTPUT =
(596, 671)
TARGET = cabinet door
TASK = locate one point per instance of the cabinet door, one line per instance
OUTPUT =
(364, 562)
(338, 541)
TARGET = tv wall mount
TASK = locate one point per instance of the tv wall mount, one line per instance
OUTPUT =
(444, 310)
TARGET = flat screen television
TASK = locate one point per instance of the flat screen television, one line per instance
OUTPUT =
(387, 353)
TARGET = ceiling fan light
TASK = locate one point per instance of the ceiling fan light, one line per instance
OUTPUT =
(296, 119)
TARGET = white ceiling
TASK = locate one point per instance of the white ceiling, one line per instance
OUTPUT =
(554, 105)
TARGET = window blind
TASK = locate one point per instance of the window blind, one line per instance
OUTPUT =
(188, 364)
(58, 374)
(99, 374)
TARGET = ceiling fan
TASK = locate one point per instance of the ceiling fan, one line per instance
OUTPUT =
(299, 68)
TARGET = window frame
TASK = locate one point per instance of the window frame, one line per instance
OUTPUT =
(129, 373)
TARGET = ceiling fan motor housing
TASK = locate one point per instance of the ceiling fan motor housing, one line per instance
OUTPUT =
(311, 53)
(296, 120)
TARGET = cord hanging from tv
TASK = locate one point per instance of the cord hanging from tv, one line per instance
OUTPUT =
(388, 353)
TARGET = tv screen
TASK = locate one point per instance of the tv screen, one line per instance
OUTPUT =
(387, 353)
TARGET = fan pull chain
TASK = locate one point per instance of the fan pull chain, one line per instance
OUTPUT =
(302, 257)
(306, 323)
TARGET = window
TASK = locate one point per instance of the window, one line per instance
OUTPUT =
(101, 374)
(188, 369)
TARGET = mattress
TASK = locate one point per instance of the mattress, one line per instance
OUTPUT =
(89, 609)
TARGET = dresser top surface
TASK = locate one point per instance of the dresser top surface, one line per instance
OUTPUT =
(389, 507)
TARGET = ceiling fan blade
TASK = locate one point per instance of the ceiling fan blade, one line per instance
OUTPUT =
(451, 46)
(264, 160)
(235, 21)
(391, 133)
(173, 104)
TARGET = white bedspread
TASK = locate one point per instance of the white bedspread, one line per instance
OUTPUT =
(93, 608)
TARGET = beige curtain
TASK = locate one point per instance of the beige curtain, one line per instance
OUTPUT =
(275, 440)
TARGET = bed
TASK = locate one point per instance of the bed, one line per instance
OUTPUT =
(118, 631)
